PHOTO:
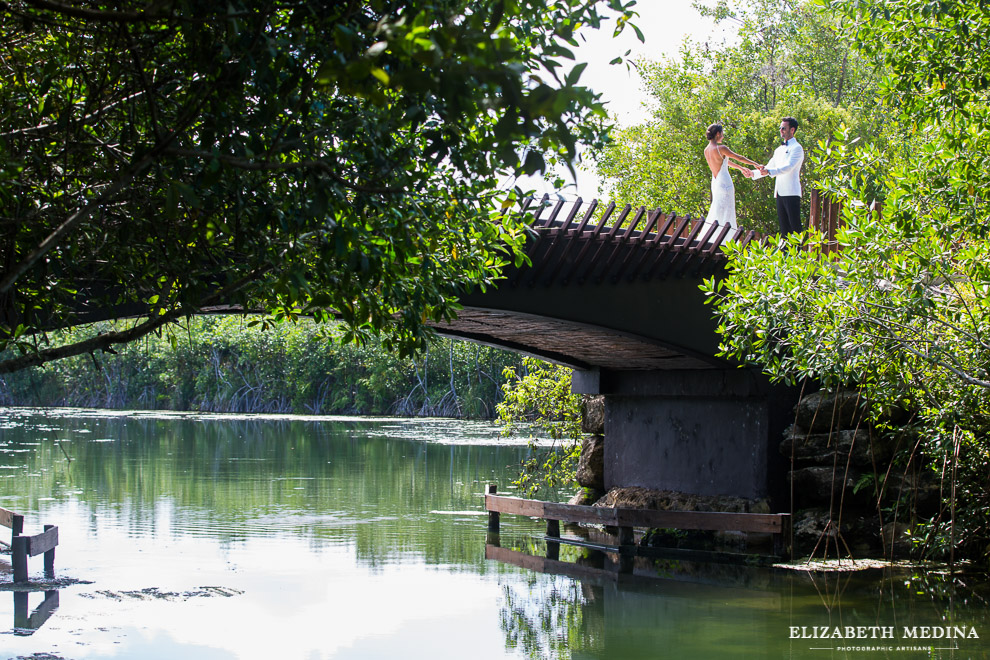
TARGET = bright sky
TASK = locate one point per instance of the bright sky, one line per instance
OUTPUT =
(665, 24)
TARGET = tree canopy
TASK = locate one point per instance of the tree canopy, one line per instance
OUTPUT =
(903, 309)
(293, 157)
(783, 59)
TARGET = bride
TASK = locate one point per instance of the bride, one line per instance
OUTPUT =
(720, 158)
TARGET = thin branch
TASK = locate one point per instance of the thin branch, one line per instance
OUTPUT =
(108, 339)
(269, 166)
(97, 14)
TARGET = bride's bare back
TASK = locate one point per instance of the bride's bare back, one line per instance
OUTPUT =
(716, 153)
(713, 154)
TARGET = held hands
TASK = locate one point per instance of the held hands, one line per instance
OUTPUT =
(763, 170)
(747, 173)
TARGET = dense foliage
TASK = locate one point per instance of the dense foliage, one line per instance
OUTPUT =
(335, 158)
(903, 311)
(222, 364)
(784, 59)
(538, 398)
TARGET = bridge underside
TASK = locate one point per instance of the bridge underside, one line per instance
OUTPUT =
(574, 344)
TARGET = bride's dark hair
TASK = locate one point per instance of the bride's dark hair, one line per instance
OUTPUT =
(713, 130)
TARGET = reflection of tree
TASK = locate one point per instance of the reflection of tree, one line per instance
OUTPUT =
(329, 482)
(550, 616)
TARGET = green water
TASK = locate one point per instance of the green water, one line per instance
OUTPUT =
(202, 537)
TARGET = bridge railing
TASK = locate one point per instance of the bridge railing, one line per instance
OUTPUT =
(579, 242)
(826, 217)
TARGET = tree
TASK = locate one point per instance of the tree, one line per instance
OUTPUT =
(903, 310)
(541, 396)
(327, 159)
(787, 59)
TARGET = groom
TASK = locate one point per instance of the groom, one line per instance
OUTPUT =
(785, 167)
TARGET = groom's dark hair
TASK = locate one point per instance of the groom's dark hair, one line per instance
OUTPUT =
(792, 121)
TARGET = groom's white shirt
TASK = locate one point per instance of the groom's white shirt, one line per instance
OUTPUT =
(785, 168)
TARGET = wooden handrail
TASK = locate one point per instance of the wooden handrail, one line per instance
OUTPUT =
(625, 519)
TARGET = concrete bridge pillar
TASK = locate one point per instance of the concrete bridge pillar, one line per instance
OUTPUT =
(697, 431)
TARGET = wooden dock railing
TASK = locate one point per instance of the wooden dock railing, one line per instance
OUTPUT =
(776, 524)
(22, 547)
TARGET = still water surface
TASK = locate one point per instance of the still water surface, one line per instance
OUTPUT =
(215, 537)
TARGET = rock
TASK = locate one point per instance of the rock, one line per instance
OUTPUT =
(821, 448)
(593, 414)
(817, 527)
(586, 497)
(669, 500)
(823, 411)
(813, 486)
(591, 465)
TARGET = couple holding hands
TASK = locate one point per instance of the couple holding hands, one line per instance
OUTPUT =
(784, 166)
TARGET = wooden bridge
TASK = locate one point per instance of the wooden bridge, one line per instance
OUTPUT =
(613, 288)
(606, 287)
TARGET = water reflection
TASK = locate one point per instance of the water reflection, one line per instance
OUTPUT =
(595, 605)
(26, 624)
(196, 537)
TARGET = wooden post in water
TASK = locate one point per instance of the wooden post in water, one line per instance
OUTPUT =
(553, 532)
(493, 522)
(19, 558)
(50, 559)
(625, 536)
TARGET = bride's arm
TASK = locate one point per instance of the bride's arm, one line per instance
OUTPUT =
(729, 153)
(745, 170)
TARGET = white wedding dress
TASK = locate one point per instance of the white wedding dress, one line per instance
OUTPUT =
(723, 208)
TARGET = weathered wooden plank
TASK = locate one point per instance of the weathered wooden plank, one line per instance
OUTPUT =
(620, 242)
(587, 216)
(706, 520)
(514, 505)
(573, 238)
(717, 243)
(685, 251)
(622, 517)
(43, 542)
(10, 519)
(579, 260)
(539, 211)
(591, 515)
(662, 231)
(557, 233)
(605, 243)
(553, 215)
(50, 554)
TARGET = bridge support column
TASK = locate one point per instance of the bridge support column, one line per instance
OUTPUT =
(698, 431)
